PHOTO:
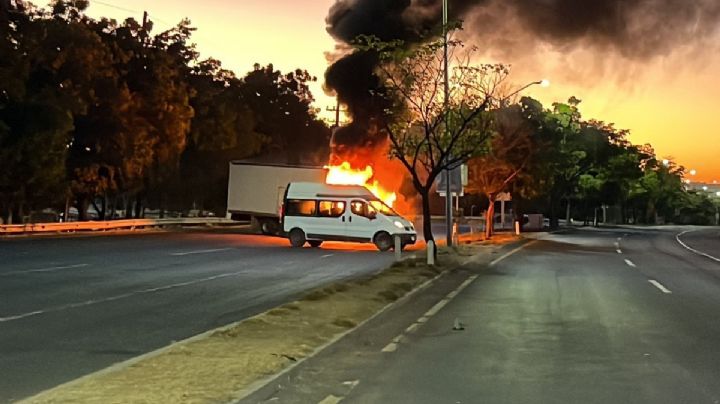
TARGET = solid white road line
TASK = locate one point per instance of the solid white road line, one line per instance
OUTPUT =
(200, 251)
(50, 269)
(331, 400)
(502, 257)
(117, 297)
(677, 237)
(393, 346)
(630, 263)
(327, 255)
(659, 286)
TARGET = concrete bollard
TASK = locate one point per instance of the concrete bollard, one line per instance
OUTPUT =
(431, 253)
(398, 248)
(517, 227)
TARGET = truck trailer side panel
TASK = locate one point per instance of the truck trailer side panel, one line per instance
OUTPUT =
(256, 190)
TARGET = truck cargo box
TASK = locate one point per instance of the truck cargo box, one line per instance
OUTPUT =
(255, 191)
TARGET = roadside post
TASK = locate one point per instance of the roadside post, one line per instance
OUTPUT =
(398, 248)
(431, 253)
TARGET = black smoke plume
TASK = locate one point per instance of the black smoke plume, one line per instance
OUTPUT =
(625, 30)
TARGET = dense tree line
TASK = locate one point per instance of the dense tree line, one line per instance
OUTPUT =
(96, 112)
(555, 162)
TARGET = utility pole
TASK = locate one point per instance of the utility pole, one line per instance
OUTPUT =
(448, 188)
(337, 110)
(145, 33)
(4, 16)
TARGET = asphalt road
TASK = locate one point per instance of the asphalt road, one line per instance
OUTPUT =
(585, 316)
(71, 306)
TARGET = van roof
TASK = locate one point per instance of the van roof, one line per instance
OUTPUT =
(319, 190)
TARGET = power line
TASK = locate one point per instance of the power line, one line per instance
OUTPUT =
(115, 7)
(128, 10)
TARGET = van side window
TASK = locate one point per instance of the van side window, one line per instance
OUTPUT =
(300, 207)
(359, 208)
(331, 208)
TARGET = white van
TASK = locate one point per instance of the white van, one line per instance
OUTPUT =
(315, 212)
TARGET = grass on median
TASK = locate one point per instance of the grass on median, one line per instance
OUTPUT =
(220, 365)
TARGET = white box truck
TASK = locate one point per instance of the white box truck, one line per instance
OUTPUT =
(255, 191)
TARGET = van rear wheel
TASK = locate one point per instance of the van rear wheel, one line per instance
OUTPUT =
(315, 243)
(383, 241)
(297, 238)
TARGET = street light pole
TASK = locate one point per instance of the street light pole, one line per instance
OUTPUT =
(448, 193)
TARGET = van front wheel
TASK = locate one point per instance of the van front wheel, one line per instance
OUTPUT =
(297, 238)
(383, 241)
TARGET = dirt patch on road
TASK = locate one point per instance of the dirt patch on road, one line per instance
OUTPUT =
(221, 365)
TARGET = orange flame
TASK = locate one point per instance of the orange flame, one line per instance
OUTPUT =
(344, 174)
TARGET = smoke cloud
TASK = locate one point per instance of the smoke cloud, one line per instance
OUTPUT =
(588, 38)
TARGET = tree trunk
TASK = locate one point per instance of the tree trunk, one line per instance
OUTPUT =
(567, 213)
(10, 214)
(139, 208)
(427, 220)
(553, 213)
(490, 217)
(97, 208)
(113, 207)
(66, 213)
(82, 208)
(21, 212)
(127, 206)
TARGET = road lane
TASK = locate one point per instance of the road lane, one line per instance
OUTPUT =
(703, 241)
(564, 320)
(71, 306)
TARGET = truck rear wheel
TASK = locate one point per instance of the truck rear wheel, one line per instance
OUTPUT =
(383, 241)
(297, 238)
(269, 226)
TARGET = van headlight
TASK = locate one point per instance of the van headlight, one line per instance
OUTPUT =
(398, 224)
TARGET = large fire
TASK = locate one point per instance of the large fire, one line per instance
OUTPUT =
(344, 174)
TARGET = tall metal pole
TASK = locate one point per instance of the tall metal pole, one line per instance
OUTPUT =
(448, 193)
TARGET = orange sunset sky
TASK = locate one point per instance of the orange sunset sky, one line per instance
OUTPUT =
(671, 101)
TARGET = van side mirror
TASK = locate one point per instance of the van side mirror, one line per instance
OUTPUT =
(372, 215)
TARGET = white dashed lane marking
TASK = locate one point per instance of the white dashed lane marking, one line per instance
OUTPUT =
(659, 286)
(630, 263)
(200, 251)
(49, 269)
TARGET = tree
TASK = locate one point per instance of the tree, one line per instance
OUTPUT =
(509, 153)
(281, 104)
(222, 130)
(427, 132)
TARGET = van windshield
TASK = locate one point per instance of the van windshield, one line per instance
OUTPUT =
(381, 207)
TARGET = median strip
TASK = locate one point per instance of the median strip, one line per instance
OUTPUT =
(231, 362)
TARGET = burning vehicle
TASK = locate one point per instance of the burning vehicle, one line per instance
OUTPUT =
(259, 192)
